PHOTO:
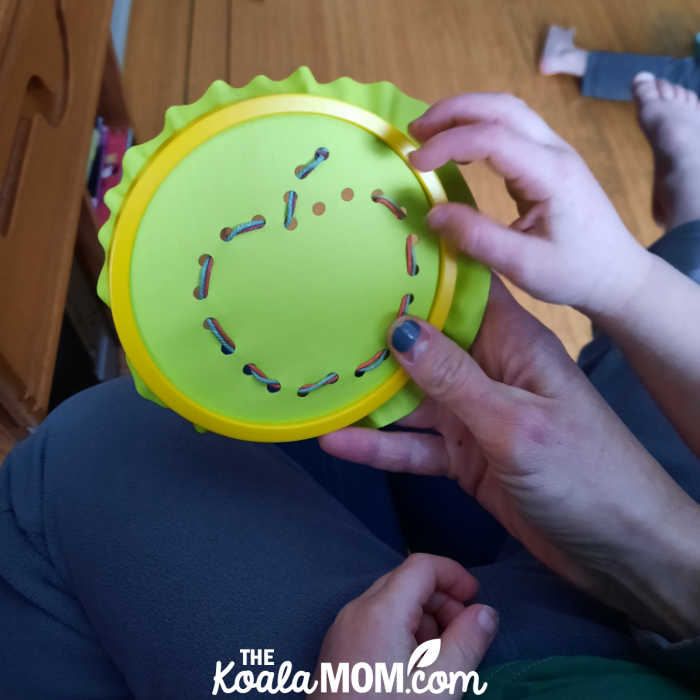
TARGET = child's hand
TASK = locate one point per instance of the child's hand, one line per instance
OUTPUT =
(422, 599)
(569, 246)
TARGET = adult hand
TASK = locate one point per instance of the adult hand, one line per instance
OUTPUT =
(524, 432)
(422, 599)
(568, 245)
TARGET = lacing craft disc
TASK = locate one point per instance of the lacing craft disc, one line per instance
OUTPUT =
(260, 253)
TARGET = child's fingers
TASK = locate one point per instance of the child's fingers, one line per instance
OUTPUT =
(413, 583)
(511, 154)
(483, 107)
(467, 639)
(509, 252)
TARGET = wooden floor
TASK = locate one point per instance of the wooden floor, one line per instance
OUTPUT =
(430, 49)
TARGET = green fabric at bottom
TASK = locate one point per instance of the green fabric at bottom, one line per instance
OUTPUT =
(579, 678)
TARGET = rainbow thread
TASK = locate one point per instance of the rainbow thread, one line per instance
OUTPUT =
(411, 265)
(306, 389)
(272, 384)
(291, 206)
(205, 276)
(228, 347)
(252, 225)
(405, 301)
(392, 206)
(320, 155)
(372, 363)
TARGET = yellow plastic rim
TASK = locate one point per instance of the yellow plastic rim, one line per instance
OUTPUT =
(126, 227)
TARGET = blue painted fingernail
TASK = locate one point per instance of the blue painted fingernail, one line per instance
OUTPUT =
(405, 335)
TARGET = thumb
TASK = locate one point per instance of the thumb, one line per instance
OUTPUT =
(467, 638)
(507, 251)
(448, 374)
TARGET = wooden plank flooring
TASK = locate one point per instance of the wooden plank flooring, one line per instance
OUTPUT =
(430, 49)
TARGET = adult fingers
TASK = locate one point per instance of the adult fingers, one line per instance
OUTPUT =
(517, 349)
(425, 416)
(414, 453)
(450, 376)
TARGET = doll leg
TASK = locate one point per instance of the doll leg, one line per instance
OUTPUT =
(135, 553)
(607, 75)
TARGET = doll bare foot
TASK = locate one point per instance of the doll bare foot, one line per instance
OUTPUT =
(560, 55)
(670, 118)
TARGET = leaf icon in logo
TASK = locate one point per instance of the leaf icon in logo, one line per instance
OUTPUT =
(424, 655)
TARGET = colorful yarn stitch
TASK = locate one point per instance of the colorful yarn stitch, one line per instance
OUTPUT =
(272, 384)
(228, 347)
(304, 390)
(372, 363)
(205, 276)
(411, 265)
(405, 301)
(320, 155)
(252, 225)
(392, 206)
(291, 206)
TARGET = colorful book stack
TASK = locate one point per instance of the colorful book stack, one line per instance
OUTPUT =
(104, 169)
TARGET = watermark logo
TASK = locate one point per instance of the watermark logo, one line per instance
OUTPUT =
(344, 677)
